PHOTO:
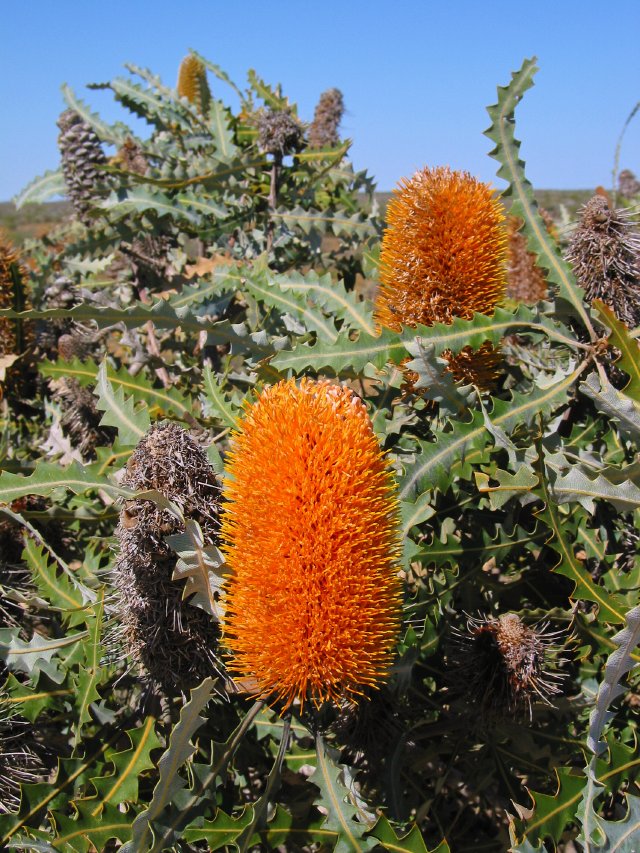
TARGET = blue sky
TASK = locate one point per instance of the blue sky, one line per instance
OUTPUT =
(416, 76)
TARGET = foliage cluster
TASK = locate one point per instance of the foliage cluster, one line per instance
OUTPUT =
(206, 262)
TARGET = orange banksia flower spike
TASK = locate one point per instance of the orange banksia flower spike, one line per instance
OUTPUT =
(311, 536)
(443, 252)
(443, 256)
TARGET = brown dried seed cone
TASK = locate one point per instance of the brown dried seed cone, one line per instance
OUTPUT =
(323, 131)
(9, 264)
(628, 184)
(525, 280)
(193, 84)
(173, 642)
(481, 367)
(500, 666)
(80, 417)
(130, 157)
(605, 254)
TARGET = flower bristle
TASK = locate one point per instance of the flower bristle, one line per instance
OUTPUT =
(443, 251)
(501, 665)
(313, 605)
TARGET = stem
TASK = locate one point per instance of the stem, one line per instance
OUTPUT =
(273, 782)
(273, 197)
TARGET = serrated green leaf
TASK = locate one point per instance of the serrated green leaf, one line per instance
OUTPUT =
(120, 412)
(222, 831)
(411, 842)
(619, 663)
(114, 134)
(32, 701)
(552, 812)
(51, 794)
(216, 403)
(577, 486)
(350, 835)
(331, 296)
(621, 835)
(509, 485)
(49, 476)
(628, 346)
(36, 653)
(41, 189)
(610, 610)
(461, 332)
(345, 355)
(90, 670)
(624, 410)
(203, 568)
(220, 74)
(122, 785)
(179, 750)
(337, 223)
(524, 205)
(434, 467)
(88, 832)
(57, 589)
(221, 131)
(186, 802)
(270, 96)
(161, 401)
(140, 199)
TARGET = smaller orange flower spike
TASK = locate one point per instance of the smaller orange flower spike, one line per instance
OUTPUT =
(311, 532)
(443, 252)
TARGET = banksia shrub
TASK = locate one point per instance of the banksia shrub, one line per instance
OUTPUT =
(500, 666)
(173, 641)
(82, 155)
(193, 84)
(279, 133)
(605, 254)
(443, 252)
(313, 606)
(323, 131)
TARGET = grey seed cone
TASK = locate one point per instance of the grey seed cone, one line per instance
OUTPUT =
(80, 417)
(326, 120)
(279, 132)
(172, 642)
(605, 254)
(628, 184)
(81, 155)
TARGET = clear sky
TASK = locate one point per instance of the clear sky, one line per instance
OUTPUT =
(416, 74)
